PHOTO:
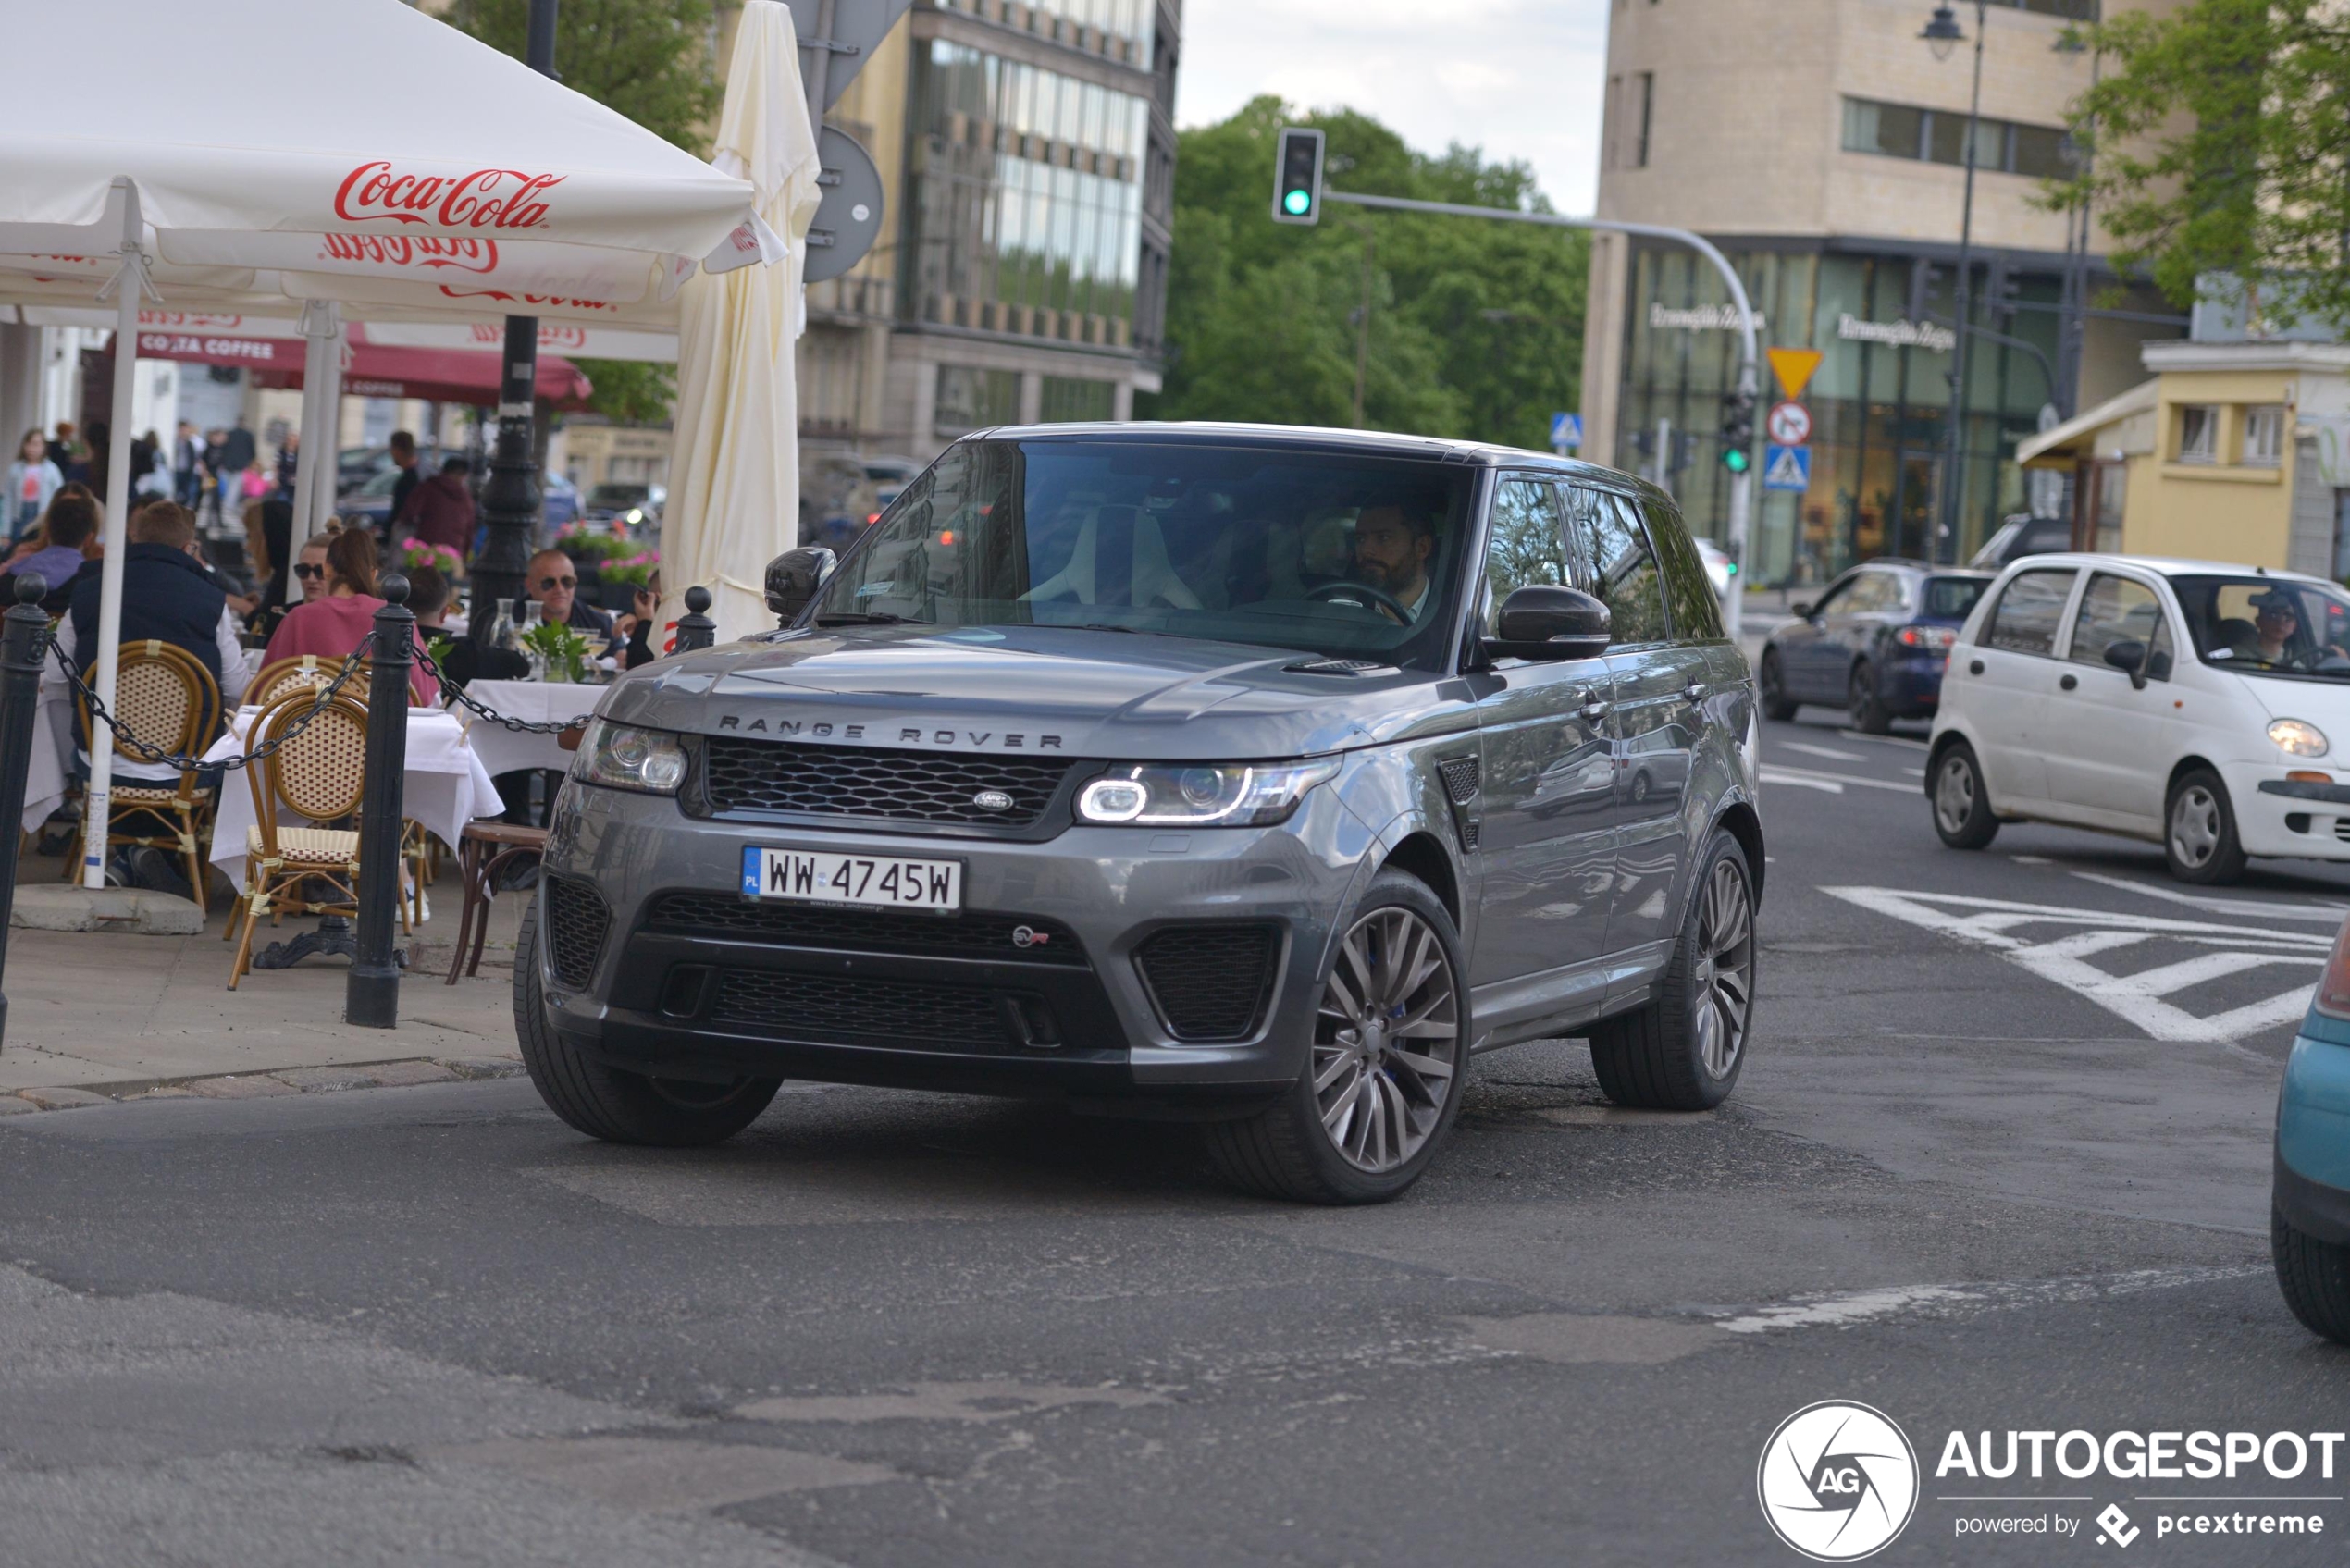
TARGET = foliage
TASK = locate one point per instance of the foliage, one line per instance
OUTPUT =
(586, 545)
(645, 58)
(439, 647)
(562, 650)
(1477, 328)
(637, 569)
(650, 60)
(2219, 135)
(442, 559)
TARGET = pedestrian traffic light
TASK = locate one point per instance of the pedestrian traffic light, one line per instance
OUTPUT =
(1297, 177)
(1737, 431)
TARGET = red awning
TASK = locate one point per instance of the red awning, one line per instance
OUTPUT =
(458, 375)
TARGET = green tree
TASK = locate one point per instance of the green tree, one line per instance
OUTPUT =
(1476, 329)
(650, 59)
(2220, 142)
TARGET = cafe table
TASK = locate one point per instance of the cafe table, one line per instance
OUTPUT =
(502, 751)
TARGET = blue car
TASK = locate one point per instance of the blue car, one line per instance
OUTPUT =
(2309, 1211)
(1875, 644)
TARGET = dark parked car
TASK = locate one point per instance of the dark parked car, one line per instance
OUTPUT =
(1875, 644)
(2021, 536)
(1253, 775)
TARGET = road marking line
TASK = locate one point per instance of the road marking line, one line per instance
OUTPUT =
(2330, 914)
(2139, 998)
(2032, 860)
(1831, 753)
(1887, 740)
(1844, 1310)
(1777, 773)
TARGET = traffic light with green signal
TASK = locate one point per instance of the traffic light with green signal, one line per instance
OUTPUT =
(1737, 431)
(1297, 177)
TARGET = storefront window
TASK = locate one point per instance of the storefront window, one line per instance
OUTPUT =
(971, 399)
(1069, 399)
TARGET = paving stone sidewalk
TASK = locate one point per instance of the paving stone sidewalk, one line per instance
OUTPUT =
(95, 1017)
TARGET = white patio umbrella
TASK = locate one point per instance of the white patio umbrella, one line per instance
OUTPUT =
(509, 193)
(733, 468)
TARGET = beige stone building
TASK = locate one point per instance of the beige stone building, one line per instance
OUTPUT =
(1820, 144)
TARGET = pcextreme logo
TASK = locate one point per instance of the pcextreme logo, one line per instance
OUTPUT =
(1837, 1481)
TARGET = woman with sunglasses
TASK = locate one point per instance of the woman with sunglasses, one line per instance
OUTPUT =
(338, 611)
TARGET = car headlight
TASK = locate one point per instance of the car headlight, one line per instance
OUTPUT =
(2300, 738)
(623, 756)
(1186, 795)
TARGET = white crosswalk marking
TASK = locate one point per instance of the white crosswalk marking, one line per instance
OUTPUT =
(2059, 945)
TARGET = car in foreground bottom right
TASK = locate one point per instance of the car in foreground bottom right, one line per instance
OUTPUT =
(2309, 1211)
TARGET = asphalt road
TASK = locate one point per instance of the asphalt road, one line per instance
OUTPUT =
(1999, 1162)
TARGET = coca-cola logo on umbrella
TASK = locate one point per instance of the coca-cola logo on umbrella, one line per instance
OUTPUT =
(487, 197)
(423, 251)
(555, 302)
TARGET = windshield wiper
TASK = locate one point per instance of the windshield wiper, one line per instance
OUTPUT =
(1101, 627)
(868, 618)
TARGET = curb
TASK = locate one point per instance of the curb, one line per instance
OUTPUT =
(398, 1072)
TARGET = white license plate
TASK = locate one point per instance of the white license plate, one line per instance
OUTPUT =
(873, 881)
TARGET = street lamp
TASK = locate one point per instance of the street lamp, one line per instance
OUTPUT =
(1942, 34)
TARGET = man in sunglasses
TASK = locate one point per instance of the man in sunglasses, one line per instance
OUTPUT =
(553, 582)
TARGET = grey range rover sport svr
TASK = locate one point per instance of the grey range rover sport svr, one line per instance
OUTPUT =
(1249, 776)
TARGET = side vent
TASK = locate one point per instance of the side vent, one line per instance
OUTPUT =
(1468, 834)
(1459, 775)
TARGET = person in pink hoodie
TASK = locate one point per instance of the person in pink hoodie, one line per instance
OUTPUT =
(339, 622)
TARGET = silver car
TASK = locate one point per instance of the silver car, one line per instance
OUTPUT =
(1237, 774)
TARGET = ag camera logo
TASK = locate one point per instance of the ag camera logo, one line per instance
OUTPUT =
(1837, 1481)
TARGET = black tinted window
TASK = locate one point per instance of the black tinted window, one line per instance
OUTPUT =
(1696, 613)
(2029, 608)
(1951, 599)
(1624, 571)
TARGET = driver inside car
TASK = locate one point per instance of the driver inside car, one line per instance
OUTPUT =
(1393, 545)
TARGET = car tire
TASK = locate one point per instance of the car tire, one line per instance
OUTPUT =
(2315, 1277)
(1867, 708)
(603, 1101)
(1960, 800)
(1771, 686)
(2199, 831)
(1298, 1147)
(1685, 1049)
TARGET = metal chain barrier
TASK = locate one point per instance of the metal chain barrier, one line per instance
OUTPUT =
(480, 709)
(148, 752)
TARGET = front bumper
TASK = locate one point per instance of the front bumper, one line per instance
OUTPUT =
(2277, 816)
(709, 1000)
(2313, 1134)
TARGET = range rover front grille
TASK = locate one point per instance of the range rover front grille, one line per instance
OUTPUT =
(837, 1008)
(576, 922)
(906, 787)
(971, 934)
(1209, 981)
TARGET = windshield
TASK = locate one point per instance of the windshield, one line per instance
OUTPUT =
(1952, 598)
(1348, 555)
(2268, 625)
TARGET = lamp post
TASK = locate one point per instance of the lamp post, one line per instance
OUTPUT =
(2073, 345)
(1943, 34)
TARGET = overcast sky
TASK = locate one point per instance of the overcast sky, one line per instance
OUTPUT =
(1520, 79)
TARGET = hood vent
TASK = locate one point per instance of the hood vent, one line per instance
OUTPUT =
(1339, 667)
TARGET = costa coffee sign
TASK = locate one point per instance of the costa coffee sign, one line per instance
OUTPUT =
(424, 251)
(487, 197)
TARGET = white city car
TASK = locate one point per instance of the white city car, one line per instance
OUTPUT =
(2203, 706)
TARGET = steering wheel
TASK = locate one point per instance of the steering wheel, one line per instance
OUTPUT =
(1379, 596)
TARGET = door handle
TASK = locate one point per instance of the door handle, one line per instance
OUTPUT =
(1694, 691)
(1593, 709)
(1974, 667)
(2069, 682)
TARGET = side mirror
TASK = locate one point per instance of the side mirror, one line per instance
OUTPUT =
(793, 578)
(1800, 609)
(1543, 620)
(2129, 656)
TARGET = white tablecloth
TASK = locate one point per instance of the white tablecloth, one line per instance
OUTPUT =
(445, 786)
(502, 751)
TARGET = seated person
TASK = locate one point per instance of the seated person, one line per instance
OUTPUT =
(465, 661)
(1393, 545)
(340, 622)
(2276, 629)
(553, 583)
(167, 595)
(66, 535)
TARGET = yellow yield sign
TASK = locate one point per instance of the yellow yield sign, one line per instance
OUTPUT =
(1794, 367)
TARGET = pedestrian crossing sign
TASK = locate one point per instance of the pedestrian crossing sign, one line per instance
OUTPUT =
(1789, 468)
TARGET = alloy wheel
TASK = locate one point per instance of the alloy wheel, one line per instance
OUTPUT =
(1723, 984)
(1387, 1043)
(1954, 793)
(2195, 825)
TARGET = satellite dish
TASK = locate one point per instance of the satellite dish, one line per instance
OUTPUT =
(849, 219)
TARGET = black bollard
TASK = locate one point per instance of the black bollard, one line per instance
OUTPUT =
(371, 996)
(695, 628)
(23, 639)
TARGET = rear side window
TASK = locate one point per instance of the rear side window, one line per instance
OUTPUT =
(1952, 598)
(2030, 607)
(1697, 615)
(1873, 593)
(1607, 531)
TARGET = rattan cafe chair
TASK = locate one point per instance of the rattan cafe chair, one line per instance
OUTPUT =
(167, 699)
(273, 680)
(293, 867)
